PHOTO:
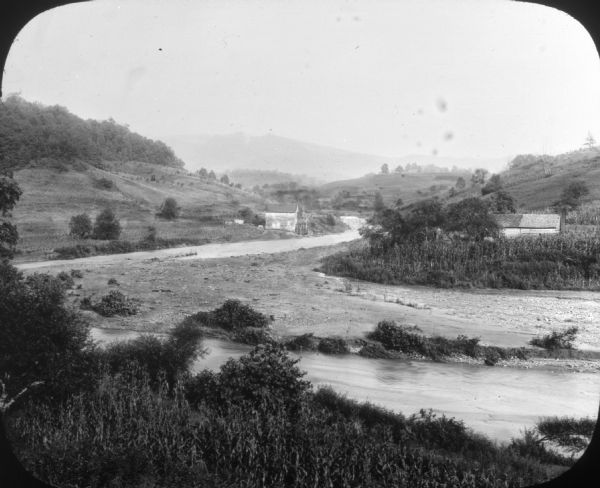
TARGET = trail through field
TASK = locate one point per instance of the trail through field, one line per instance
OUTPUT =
(206, 251)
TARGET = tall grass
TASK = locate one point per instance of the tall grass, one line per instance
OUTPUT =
(545, 262)
(128, 434)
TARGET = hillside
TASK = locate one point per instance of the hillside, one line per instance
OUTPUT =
(66, 166)
(359, 193)
(134, 190)
(537, 181)
(273, 153)
(249, 178)
(33, 134)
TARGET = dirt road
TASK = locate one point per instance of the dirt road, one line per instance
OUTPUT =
(205, 251)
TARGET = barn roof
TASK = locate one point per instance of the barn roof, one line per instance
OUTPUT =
(281, 208)
(528, 221)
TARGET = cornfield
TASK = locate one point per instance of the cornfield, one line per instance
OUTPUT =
(566, 261)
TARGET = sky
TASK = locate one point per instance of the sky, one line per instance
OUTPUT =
(457, 78)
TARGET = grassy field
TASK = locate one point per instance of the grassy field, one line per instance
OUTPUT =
(411, 187)
(51, 197)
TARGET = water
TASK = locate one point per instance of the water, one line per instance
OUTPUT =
(499, 402)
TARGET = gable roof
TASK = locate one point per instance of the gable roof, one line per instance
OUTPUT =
(281, 208)
(528, 221)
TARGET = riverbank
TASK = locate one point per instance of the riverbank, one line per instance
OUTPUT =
(283, 284)
(173, 283)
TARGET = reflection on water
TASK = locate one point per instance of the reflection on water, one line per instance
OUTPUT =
(499, 402)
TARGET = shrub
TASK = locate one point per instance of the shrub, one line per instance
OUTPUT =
(569, 433)
(115, 303)
(253, 336)
(73, 252)
(397, 338)
(76, 273)
(333, 345)
(306, 342)
(258, 220)
(529, 446)
(446, 433)
(556, 340)
(150, 234)
(41, 339)
(66, 279)
(266, 378)
(80, 226)
(113, 281)
(169, 209)
(374, 350)
(153, 356)
(107, 225)
(105, 183)
(233, 314)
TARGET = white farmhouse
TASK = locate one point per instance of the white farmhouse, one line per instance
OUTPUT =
(513, 225)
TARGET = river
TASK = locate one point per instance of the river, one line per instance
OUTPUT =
(499, 402)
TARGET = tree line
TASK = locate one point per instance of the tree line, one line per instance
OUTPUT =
(31, 132)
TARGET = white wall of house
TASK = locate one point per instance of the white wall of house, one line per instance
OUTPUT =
(518, 231)
(281, 221)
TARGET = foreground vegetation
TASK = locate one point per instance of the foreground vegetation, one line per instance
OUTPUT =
(132, 414)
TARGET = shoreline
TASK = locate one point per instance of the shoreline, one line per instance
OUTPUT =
(542, 364)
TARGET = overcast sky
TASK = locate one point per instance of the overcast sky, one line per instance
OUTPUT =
(465, 78)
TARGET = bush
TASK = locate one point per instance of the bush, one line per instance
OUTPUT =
(306, 342)
(398, 338)
(232, 315)
(333, 345)
(253, 336)
(105, 183)
(374, 350)
(107, 225)
(76, 273)
(112, 281)
(266, 378)
(569, 433)
(556, 340)
(66, 279)
(80, 226)
(153, 356)
(529, 446)
(73, 252)
(115, 303)
(169, 209)
(41, 339)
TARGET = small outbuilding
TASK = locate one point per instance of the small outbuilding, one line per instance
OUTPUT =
(514, 225)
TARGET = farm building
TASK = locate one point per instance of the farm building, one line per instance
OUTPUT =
(291, 221)
(513, 225)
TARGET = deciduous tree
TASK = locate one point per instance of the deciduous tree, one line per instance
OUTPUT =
(107, 226)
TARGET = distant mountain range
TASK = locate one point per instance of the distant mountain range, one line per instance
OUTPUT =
(224, 153)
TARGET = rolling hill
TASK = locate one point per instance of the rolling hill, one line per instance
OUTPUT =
(66, 166)
(537, 181)
(273, 153)
(410, 187)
